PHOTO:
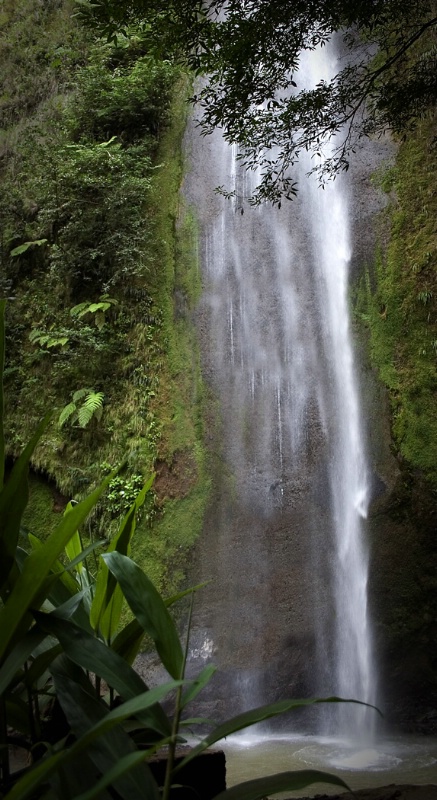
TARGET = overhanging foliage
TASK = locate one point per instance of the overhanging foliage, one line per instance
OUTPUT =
(251, 51)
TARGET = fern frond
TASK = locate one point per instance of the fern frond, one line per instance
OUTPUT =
(66, 413)
(80, 394)
(98, 413)
(57, 342)
(93, 402)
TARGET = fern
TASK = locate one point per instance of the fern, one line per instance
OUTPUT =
(37, 336)
(66, 413)
(81, 393)
(92, 407)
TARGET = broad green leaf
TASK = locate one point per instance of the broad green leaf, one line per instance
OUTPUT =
(88, 652)
(281, 782)
(199, 683)
(251, 718)
(41, 664)
(29, 584)
(68, 609)
(27, 784)
(70, 782)
(84, 712)
(108, 599)
(73, 548)
(77, 310)
(149, 609)
(85, 553)
(13, 501)
(127, 643)
(2, 367)
(19, 655)
(22, 248)
(68, 584)
(122, 765)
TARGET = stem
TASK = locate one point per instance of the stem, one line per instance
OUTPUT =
(30, 704)
(177, 715)
(4, 749)
(87, 570)
(172, 746)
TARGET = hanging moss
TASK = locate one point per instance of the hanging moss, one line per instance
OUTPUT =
(401, 311)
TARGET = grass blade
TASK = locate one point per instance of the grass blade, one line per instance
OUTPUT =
(176, 597)
(108, 599)
(37, 567)
(199, 683)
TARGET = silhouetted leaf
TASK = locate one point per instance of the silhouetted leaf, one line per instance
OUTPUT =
(281, 782)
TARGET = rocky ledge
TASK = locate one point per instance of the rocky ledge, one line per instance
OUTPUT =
(392, 792)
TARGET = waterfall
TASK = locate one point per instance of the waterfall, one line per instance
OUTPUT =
(284, 544)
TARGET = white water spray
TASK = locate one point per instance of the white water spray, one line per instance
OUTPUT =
(279, 356)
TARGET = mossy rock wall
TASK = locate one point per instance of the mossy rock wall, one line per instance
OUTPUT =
(396, 329)
(99, 258)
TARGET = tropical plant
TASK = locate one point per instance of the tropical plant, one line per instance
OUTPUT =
(23, 248)
(48, 340)
(92, 406)
(60, 633)
(98, 309)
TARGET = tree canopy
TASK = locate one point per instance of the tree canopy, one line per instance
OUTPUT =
(251, 51)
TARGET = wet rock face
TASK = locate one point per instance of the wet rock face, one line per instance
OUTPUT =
(403, 569)
(267, 616)
(269, 598)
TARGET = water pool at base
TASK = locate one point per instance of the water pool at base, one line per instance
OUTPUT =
(398, 760)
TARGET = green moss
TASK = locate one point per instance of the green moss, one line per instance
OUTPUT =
(163, 551)
(401, 311)
(144, 357)
(44, 510)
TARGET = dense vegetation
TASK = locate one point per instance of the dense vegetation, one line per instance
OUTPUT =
(252, 52)
(94, 246)
(71, 703)
(398, 299)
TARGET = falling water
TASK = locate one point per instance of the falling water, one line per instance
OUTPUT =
(288, 614)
